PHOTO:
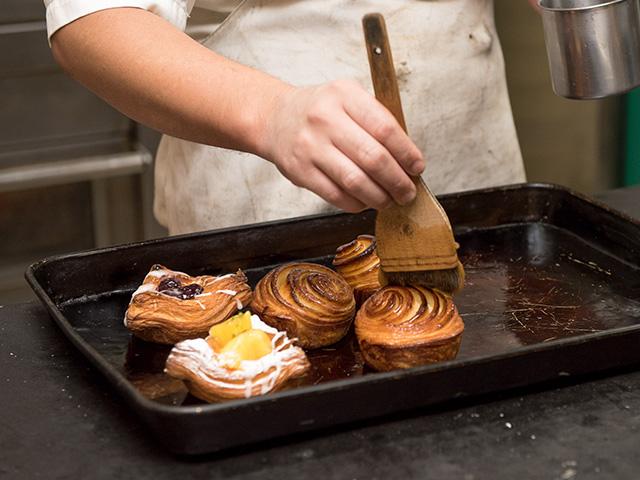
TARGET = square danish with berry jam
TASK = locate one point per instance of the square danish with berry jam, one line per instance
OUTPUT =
(172, 306)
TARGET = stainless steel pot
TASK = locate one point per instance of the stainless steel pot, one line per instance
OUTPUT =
(593, 46)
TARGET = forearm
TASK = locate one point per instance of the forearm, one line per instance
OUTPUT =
(157, 75)
(333, 139)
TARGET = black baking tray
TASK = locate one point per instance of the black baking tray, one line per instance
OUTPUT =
(553, 289)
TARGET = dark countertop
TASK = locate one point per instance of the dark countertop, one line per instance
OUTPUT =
(60, 419)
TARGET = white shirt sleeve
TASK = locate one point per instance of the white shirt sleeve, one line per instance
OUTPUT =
(63, 12)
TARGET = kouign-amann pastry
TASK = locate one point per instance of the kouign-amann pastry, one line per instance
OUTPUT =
(403, 327)
(312, 303)
(359, 265)
(241, 358)
(172, 306)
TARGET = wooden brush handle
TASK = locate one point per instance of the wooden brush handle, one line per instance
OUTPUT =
(383, 74)
(418, 236)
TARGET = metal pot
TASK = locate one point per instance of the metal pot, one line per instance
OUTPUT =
(593, 46)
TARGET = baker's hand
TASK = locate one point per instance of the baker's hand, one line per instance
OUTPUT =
(335, 139)
(338, 141)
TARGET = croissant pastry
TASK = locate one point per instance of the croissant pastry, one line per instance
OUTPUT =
(310, 302)
(403, 327)
(246, 359)
(172, 306)
(359, 265)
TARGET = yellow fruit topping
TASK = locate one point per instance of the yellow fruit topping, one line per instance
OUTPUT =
(222, 333)
(249, 345)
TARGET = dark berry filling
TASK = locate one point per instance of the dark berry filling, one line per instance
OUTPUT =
(173, 287)
(169, 283)
(190, 291)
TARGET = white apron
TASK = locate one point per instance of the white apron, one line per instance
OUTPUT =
(452, 81)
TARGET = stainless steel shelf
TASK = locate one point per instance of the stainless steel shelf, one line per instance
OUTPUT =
(75, 170)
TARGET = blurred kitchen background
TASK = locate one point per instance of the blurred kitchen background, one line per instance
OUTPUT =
(75, 174)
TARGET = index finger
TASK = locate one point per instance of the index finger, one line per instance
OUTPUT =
(374, 118)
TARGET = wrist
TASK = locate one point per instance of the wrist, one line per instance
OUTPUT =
(261, 117)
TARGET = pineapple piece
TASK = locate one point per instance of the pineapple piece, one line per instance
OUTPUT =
(249, 345)
(222, 333)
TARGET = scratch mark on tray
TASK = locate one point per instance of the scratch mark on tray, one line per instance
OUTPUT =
(519, 322)
(544, 305)
(588, 264)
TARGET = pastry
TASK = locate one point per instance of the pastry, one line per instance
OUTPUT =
(403, 327)
(172, 306)
(241, 358)
(312, 303)
(359, 265)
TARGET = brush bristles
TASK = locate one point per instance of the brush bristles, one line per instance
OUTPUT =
(447, 281)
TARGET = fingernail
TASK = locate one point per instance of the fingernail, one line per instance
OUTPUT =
(408, 197)
(417, 168)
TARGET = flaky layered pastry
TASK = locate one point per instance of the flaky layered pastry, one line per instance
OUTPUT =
(403, 327)
(172, 306)
(213, 376)
(359, 265)
(310, 302)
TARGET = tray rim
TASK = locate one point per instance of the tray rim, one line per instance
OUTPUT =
(145, 405)
(185, 236)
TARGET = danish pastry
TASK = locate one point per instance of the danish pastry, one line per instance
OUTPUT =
(172, 306)
(359, 265)
(403, 327)
(243, 358)
(312, 303)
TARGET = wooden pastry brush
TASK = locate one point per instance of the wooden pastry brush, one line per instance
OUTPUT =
(415, 242)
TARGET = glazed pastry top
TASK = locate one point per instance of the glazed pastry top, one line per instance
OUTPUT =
(358, 262)
(162, 287)
(310, 293)
(407, 316)
(171, 306)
